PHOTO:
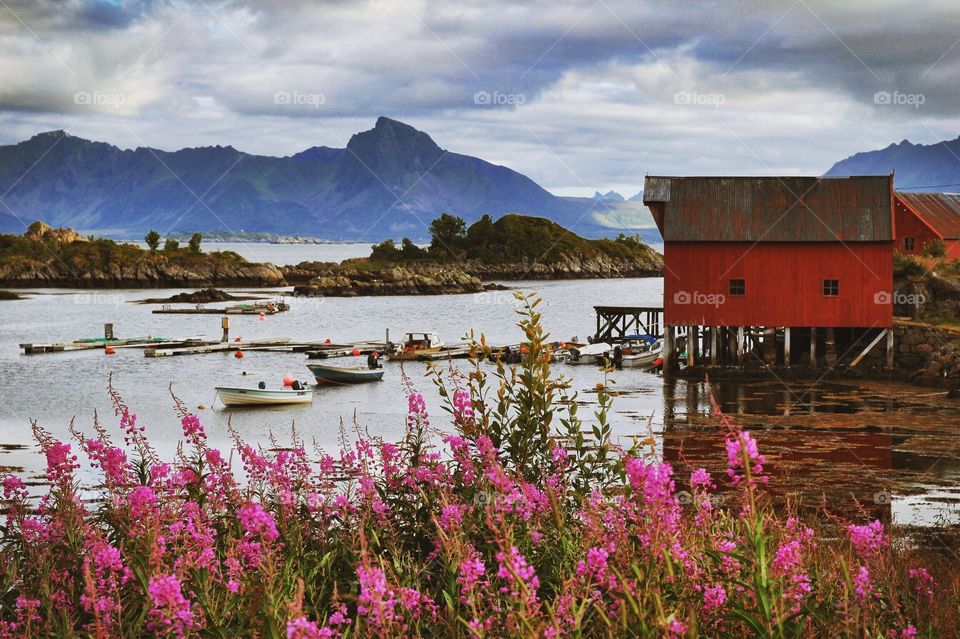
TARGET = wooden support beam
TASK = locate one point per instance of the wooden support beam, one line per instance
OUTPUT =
(713, 345)
(830, 348)
(889, 349)
(786, 346)
(813, 347)
(740, 352)
(669, 349)
(876, 340)
(692, 345)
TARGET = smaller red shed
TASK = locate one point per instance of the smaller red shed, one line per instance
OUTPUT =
(922, 218)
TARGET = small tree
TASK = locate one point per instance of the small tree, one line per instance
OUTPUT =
(448, 234)
(194, 242)
(411, 251)
(152, 239)
(171, 244)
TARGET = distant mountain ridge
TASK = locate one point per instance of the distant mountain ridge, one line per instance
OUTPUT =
(389, 181)
(932, 167)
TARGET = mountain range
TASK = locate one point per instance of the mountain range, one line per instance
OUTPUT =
(389, 181)
(917, 167)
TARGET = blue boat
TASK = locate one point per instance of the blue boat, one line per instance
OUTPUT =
(344, 375)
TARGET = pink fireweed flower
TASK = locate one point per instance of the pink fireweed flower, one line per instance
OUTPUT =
(14, 488)
(171, 613)
(714, 598)
(462, 407)
(743, 456)
(700, 478)
(141, 501)
(910, 632)
(471, 570)
(862, 584)
(192, 429)
(513, 568)
(869, 539)
(303, 628)
(257, 522)
(60, 463)
(417, 416)
(924, 583)
(111, 460)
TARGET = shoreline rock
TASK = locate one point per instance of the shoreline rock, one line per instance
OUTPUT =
(395, 280)
(202, 296)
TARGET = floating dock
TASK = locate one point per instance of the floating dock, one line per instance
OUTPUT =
(266, 308)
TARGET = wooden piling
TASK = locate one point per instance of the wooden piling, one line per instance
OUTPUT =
(713, 345)
(740, 352)
(225, 325)
(786, 346)
(890, 349)
(669, 348)
(813, 347)
(692, 345)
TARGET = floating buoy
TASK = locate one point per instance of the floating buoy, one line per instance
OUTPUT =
(201, 406)
(327, 341)
(263, 315)
(109, 350)
(356, 352)
(236, 339)
(238, 354)
(657, 363)
(288, 380)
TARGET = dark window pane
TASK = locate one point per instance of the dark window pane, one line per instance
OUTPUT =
(738, 287)
(831, 288)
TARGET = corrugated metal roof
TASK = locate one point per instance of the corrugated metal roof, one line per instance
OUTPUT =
(774, 209)
(940, 210)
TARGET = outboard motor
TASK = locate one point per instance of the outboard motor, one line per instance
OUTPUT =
(618, 356)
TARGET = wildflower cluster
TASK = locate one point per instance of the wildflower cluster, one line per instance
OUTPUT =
(480, 533)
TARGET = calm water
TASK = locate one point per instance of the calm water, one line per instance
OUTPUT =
(876, 443)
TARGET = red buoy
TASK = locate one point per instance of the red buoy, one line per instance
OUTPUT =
(109, 350)
(238, 354)
(263, 315)
(288, 380)
(356, 351)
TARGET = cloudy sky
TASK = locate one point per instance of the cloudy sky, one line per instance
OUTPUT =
(578, 95)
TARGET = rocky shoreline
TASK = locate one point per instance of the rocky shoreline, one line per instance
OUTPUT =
(395, 280)
(139, 275)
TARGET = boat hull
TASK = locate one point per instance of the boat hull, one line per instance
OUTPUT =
(262, 397)
(343, 375)
(411, 355)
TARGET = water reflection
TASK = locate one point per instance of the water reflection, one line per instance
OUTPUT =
(873, 448)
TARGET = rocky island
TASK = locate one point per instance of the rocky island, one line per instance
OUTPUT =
(45, 256)
(461, 259)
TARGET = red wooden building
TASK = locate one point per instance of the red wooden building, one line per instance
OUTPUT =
(751, 260)
(922, 218)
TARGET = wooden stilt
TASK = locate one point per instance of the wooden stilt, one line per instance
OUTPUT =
(740, 352)
(813, 347)
(713, 345)
(830, 348)
(225, 325)
(786, 347)
(890, 349)
(692, 345)
(669, 348)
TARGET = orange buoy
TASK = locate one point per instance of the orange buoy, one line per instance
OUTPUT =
(238, 354)
(657, 363)
(327, 341)
(236, 339)
(201, 406)
(356, 351)
(109, 350)
(288, 380)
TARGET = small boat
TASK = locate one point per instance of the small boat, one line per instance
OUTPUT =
(414, 345)
(344, 375)
(590, 354)
(232, 396)
(641, 354)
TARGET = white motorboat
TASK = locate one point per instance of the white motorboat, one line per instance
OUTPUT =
(232, 396)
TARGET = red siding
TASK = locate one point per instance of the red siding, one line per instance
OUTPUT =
(783, 284)
(909, 225)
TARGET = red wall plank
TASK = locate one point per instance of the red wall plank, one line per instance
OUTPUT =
(783, 284)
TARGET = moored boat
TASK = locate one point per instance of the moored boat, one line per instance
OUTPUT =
(590, 354)
(637, 355)
(344, 375)
(233, 396)
(414, 345)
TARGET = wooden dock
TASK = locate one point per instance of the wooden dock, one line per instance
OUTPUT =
(268, 308)
(87, 344)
